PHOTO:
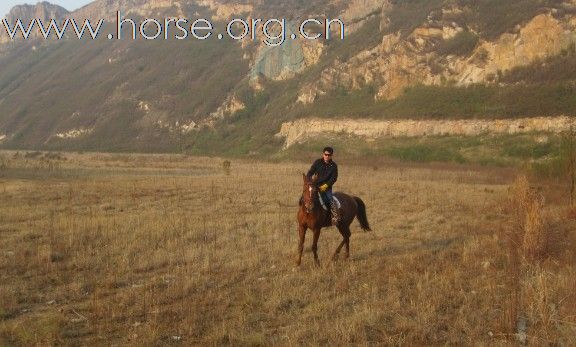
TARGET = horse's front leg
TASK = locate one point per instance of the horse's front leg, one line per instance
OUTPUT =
(302, 235)
(315, 245)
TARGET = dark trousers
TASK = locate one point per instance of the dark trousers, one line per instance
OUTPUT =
(327, 197)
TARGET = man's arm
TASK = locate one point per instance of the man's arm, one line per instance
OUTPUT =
(312, 171)
(333, 177)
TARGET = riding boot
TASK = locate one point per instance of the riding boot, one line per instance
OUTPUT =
(335, 213)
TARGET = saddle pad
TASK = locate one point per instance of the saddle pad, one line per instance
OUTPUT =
(334, 201)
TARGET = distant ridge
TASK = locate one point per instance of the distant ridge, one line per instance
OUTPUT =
(420, 59)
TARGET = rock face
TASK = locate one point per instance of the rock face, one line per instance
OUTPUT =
(399, 62)
(231, 105)
(73, 133)
(304, 129)
(542, 37)
(358, 11)
(185, 126)
(225, 11)
(280, 62)
(285, 61)
(42, 10)
(106, 9)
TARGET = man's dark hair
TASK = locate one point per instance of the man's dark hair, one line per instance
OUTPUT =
(329, 150)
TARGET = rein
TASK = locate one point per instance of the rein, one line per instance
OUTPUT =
(315, 200)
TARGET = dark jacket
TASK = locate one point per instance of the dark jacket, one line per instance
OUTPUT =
(327, 173)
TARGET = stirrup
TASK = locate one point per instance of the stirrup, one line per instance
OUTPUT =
(335, 214)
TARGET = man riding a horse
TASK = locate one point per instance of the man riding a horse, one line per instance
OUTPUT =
(319, 180)
(326, 172)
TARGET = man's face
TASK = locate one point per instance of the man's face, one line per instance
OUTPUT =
(327, 157)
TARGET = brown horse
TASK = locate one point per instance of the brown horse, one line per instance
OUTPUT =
(312, 216)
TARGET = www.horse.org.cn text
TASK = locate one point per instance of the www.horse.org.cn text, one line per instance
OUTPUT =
(272, 32)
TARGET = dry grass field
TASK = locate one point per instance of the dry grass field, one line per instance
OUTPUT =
(105, 249)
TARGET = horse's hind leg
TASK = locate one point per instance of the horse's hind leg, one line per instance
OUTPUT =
(346, 234)
(337, 252)
(302, 235)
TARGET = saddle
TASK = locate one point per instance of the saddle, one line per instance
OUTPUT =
(335, 201)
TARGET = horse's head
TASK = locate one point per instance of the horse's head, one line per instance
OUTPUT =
(309, 191)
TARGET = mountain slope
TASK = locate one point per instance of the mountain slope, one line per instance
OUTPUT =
(410, 59)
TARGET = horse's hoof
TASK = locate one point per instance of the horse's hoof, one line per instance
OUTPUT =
(335, 257)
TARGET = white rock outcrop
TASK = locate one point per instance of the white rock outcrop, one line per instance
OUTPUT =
(303, 129)
(74, 133)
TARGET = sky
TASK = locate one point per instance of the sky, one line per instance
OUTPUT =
(70, 5)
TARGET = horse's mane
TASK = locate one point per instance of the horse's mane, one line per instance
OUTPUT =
(301, 201)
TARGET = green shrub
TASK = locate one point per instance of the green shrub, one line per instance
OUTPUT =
(3, 162)
(495, 17)
(426, 153)
(226, 166)
(528, 150)
(462, 44)
(406, 15)
(560, 68)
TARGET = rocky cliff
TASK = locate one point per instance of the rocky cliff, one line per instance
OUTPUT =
(42, 10)
(106, 9)
(399, 62)
(301, 130)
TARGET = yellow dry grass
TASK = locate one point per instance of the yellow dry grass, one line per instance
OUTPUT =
(104, 249)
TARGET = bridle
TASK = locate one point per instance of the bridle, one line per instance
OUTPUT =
(309, 203)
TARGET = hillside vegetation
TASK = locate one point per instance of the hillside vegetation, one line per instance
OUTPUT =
(137, 96)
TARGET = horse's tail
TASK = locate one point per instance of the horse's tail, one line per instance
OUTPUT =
(361, 215)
